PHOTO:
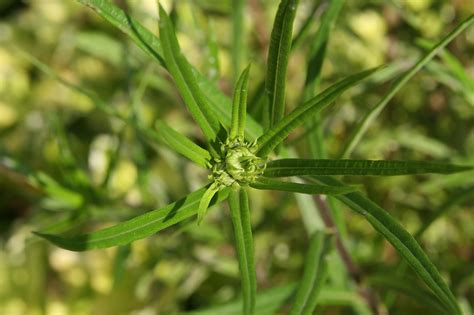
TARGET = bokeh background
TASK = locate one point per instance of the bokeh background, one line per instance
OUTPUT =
(65, 165)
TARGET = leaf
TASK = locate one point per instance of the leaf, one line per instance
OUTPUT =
(364, 124)
(278, 55)
(263, 183)
(183, 75)
(237, 13)
(267, 142)
(318, 47)
(239, 207)
(182, 144)
(297, 167)
(403, 242)
(205, 201)
(314, 275)
(137, 228)
(239, 106)
(151, 45)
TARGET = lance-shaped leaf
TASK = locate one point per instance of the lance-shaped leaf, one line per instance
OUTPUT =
(183, 75)
(404, 242)
(278, 55)
(364, 124)
(263, 183)
(205, 201)
(182, 144)
(239, 106)
(314, 275)
(237, 36)
(137, 228)
(275, 135)
(239, 207)
(297, 167)
(151, 45)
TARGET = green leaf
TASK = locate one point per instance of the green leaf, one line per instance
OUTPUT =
(403, 242)
(277, 62)
(275, 135)
(314, 275)
(297, 167)
(318, 47)
(263, 183)
(151, 45)
(239, 207)
(137, 228)
(182, 144)
(237, 35)
(183, 75)
(364, 124)
(205, 201)
(239, 106)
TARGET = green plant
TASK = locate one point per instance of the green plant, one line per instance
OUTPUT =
(239, 150)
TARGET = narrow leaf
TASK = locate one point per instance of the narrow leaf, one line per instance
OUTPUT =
(270, 184)
(238, 202)
(205, 201)
(364, 124)
(182, 144)
(239, 106)
(403, 242)
(318, 47)
(314, 275)
(278, 55)
(275, 135)
(151, 45)
(137, 228)
(296, 167)
(237, 35)
(183, 75)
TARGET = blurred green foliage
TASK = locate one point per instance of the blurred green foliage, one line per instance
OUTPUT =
(65, 165)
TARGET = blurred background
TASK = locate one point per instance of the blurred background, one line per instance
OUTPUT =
(65, 165)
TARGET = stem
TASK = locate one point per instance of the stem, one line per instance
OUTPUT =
(239, 207)
(346, 258)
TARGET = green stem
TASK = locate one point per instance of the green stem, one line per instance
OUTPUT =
(239, 207)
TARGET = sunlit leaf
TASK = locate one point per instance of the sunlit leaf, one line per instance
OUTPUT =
(277, 62)
(137, 228)
(239, 207)
(296, 167)
(403, 242)
(275, 135)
